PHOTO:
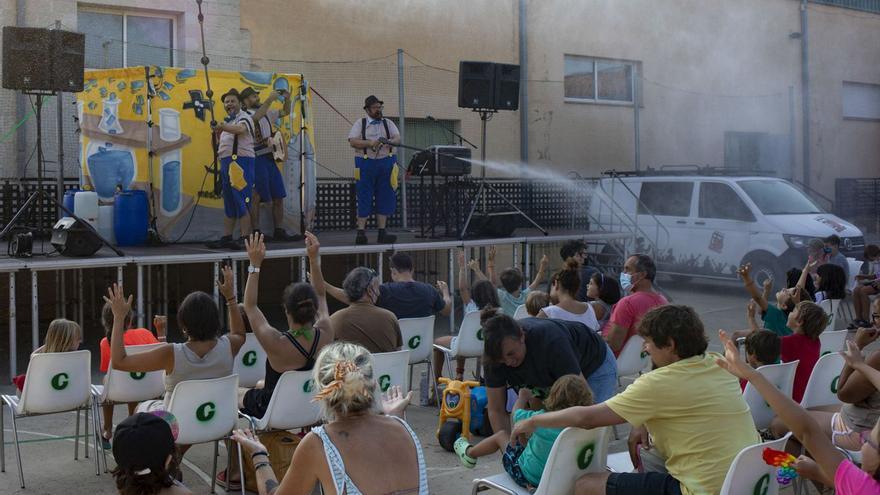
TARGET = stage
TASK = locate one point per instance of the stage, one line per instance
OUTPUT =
(333, 243)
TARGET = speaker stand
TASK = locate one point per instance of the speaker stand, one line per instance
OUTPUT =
(30, 201)
(485, 187)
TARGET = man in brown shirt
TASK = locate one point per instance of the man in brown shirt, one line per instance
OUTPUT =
(364, 323)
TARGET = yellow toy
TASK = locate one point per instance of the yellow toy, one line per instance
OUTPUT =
(456, 405)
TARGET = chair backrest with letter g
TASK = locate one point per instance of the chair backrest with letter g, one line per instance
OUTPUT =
(56, 381)
(205, 409)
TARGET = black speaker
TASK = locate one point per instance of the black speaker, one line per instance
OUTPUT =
(43, 59)
(68, 61)
(493, 225)
(476, 85)
(71, 238)
(26, 58)
(506, 86)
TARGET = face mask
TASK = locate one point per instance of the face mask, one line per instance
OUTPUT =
(625, 281)
(826, 250)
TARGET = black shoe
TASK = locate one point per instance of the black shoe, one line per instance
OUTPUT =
(361, 238)
(281, 235)
(236, 245)
(220, 243)
(386, 238)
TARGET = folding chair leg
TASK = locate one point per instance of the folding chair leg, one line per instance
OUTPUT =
(76, 439)
(95, 442)
(240, 467)
(2, 441)
(214, 469)
(86, 436)
(17, 450)
(99, 434)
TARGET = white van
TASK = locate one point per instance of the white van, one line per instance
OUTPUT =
(709, 225)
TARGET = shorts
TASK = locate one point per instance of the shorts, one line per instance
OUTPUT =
(510, 462)
(150, 406)
(268, 182)
(642, 484)
(236, 202)
(842, 435)
(603, 380)
(376, 179)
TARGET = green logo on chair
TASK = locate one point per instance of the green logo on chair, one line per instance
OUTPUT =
(249, 358)
(643, 355)
(308, 386)
(480, 334)
(137, 375)
(206, 412)
(834, 384)
(415, 342)
(60, 381)
(384, 382)
(585, 456)
(762, 485)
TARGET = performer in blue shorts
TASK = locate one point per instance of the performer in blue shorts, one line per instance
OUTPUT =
(269, 183)
(376, 172)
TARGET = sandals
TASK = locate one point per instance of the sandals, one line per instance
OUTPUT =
(105, 442)
(460, 447)
(227, 485)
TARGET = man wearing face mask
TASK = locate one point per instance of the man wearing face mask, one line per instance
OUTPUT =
(375, 172)
(637, 280)
(362, 322)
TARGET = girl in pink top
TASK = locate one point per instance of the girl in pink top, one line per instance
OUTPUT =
(827, 465)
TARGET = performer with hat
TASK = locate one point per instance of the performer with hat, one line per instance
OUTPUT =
(376, 172)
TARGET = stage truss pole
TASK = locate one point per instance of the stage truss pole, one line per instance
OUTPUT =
(140, 295)
(13, 332)
(451, 290)
(35, 311)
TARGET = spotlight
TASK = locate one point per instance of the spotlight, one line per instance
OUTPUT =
(21, 245)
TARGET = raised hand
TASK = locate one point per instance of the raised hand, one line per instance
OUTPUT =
(443, 288)
(490, 254)
(852, 355)
(312, 245)
(473, 265)
(865, 336)
(256, 249)
(224, 283)
(118, 303)
(731, 361)
(745, 272)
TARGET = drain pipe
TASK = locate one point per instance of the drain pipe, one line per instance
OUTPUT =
(805, 92)
(523, 89)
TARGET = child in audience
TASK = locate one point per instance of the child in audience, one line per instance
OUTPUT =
(510, 293)
(830, 281)
(775, 316)
(603, 292)
(868, 285)
(830, 467)
(132, 336)
(536, 301)
(808, 320)
(762, 348)
(62, 336)
(525, 463)
(146, 461)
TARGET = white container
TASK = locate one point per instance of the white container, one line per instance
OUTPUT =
(169, 124)
(85, 206)
(105, 223)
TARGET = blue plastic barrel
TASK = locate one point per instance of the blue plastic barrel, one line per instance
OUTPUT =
(68, 200)
(131, 218)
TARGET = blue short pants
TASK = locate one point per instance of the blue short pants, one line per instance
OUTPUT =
(374, 180)
(268, 181)
(236, 202)
(510, 462)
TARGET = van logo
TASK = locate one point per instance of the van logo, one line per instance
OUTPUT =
(585, 456)
(384, 382)
(414, 342)
(716, 242)
(249, 358)
(60, 381)
(206, 412)
(137, 375)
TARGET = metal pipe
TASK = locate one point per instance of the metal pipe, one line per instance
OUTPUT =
(59, 100)
(302, 268)
(523, 88)
(13, 332)
(149, 303)
(214, 283)
(451, 285)
(791, 131)
(805, 92)
(35, 312)
(401, 99)
(527, 262)
(636, 100)
(381, 266)
(119, 275)
(80, 296)
(21, 101)
(165, 290)
(60, 306)
(140, 295)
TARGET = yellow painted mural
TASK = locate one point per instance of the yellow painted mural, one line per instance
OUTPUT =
(123, 113)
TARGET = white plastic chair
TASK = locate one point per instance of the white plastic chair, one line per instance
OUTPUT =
(575, 453)
(834, 309)
(521, 312)
(418, 333)
(122, 387)
(822, 387)
(250, 362)
(633, 360)
(748, 473)
(291, 405)
(468, 343)
(206, 411)
(56, 382)
(832, 341)
(391, 368)
(782, 377)
(855, 266)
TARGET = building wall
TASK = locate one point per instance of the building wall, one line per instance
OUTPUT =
(844, 46)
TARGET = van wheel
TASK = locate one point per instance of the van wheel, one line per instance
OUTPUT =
(765, 267)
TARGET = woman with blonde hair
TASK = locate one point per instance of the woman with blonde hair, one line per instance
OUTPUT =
(340, 455)
(62, 336)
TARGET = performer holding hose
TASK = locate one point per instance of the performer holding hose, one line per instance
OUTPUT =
(375, 172)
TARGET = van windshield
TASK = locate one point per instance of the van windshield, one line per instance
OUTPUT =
(774, 197)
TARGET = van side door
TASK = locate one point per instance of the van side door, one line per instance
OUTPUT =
(667, 202)
(721, 229)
